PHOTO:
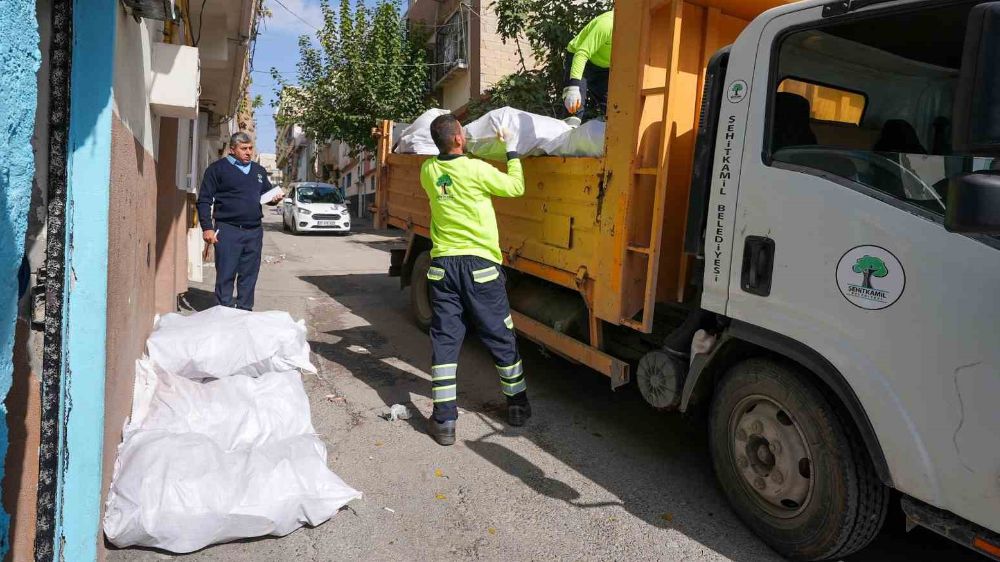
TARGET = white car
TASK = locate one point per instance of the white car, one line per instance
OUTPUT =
(315, 207)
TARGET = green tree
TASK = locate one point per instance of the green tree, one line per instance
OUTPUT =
(366, 66)
(870, 266)
(547, 26)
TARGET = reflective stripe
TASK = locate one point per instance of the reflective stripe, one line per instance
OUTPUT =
(514, 371)
(445, 393)
(509, 322)
(435, 273)
(443, 372)
(512, 389)
(485, 275)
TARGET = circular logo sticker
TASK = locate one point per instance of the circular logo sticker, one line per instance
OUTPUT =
(737, 91)
(870, 277)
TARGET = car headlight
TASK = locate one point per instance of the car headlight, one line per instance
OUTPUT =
(304, 211)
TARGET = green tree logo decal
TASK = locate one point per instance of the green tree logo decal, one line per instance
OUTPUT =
(737, 90)
(870, 266)
(443, 183)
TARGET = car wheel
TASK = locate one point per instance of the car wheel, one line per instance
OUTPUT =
(284, 224)
(792, 470)
(420, 300)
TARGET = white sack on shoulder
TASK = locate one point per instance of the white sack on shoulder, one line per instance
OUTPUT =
(223, 342)
(585, 140)
(416, 138)
(531, 131)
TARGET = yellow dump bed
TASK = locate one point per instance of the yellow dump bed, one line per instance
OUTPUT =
(609, 227)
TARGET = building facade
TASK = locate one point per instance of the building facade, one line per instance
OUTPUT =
(468, 55)
(118, 107)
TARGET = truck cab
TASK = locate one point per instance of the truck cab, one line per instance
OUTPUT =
(845, 215)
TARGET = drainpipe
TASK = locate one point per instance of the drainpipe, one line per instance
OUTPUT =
(61, 44)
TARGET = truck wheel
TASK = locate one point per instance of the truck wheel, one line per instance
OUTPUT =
(661, 380)
(420, 299)
(792, 471)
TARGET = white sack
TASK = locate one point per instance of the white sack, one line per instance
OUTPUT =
(416, 138)
(235, 412)
(585, 140)
(182, 492)
(204, 463)
(222, 342)
(531, 131)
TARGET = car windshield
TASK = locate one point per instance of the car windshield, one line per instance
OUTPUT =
(318, 194)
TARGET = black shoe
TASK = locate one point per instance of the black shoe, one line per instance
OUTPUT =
(518, 414)
(443, 433)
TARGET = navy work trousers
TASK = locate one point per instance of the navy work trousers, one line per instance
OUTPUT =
(237, 262)
(469, 288)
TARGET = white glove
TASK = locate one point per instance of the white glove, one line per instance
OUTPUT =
(572, 99)
(508, 138)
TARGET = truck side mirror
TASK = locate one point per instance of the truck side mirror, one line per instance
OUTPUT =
(974, 203)
(977, 98)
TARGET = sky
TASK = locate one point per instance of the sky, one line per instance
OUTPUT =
(278, 47)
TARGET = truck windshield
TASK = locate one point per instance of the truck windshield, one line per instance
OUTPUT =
(871, 101)
(319, 194)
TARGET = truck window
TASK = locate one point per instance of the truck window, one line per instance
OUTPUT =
(870, 101)
(827, 103)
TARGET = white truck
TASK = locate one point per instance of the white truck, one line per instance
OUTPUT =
(845, 198)
(824, 238)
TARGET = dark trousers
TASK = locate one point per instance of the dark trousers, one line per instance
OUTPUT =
(593, 88)
(237, 262)
(470, 289)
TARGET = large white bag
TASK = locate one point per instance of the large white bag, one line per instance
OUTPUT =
(222, 342)
(585, 140)
(203, 463)
(531, 131)
(416, 138)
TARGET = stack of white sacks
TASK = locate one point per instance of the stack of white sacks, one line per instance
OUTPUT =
(537, 135)
(220, 445)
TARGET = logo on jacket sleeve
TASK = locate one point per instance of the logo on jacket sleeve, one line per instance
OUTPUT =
(444, 184)
(260, 178)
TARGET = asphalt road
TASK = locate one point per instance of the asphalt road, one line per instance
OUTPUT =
(597, 475)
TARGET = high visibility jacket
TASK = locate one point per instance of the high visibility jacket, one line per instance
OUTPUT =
(592, 44)
(463, 222)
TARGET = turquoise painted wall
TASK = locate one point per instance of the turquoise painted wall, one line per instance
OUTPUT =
(19, 61)
(86, 302)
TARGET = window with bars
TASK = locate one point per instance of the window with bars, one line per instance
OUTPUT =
(451, 45)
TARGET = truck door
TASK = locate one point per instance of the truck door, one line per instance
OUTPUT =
(839, 240)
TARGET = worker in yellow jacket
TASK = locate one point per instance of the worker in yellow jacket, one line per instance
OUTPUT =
(466, 278)
(588, 59)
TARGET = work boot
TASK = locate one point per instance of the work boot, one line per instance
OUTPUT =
(442, 432)
(518, 414)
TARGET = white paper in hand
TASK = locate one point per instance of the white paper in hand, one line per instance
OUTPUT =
(270, 195)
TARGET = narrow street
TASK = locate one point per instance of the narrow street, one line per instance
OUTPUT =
(596, 475)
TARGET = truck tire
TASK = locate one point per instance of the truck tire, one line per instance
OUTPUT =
(420, 299)
(792, 470)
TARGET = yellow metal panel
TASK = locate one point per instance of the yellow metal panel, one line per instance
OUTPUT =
(557, 230)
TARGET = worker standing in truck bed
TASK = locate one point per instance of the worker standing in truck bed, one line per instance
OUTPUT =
(466, 278)
(588, 60)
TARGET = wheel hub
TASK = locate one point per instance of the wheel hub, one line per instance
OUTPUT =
(771, 455)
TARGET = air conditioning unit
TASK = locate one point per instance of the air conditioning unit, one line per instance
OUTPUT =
(176, 81)
(162, 10)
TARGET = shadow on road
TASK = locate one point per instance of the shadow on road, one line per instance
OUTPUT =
(657, 465)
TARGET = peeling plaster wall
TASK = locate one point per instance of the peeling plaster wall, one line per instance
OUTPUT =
(19, 59)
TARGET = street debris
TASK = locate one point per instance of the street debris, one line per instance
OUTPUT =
(274, 259)
(389, 509)
(225, 458)
(397, 412)
(336, 399)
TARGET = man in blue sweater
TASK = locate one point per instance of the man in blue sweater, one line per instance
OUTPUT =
(230, 215)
